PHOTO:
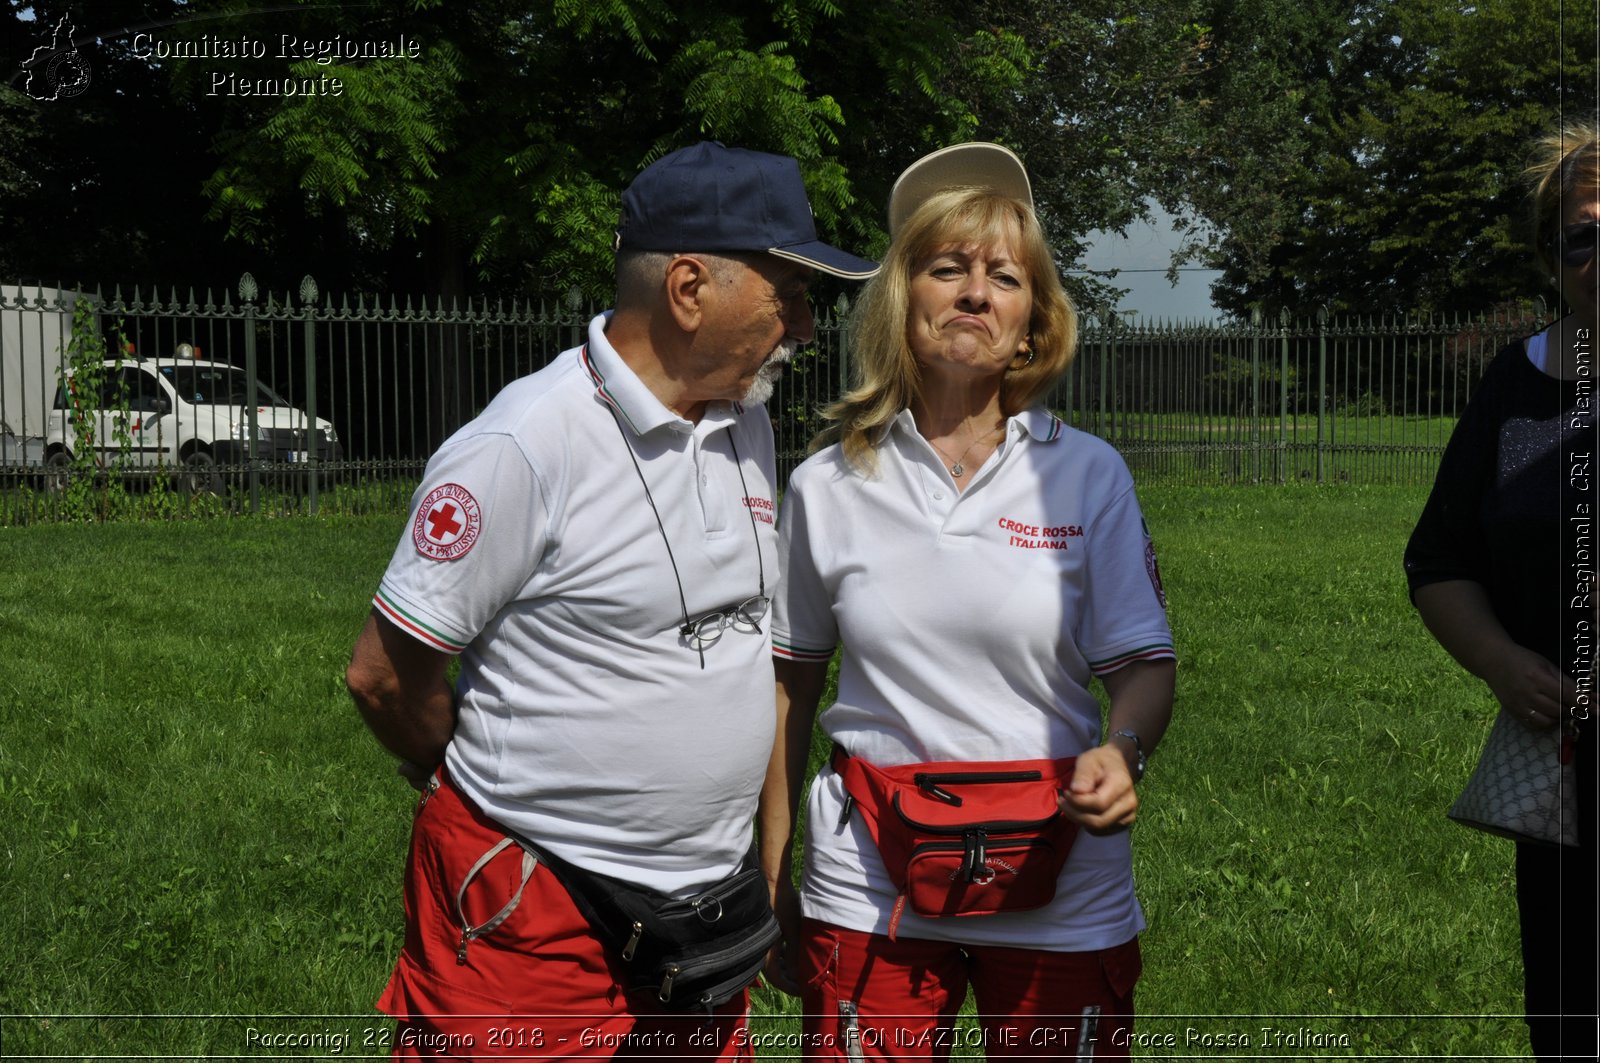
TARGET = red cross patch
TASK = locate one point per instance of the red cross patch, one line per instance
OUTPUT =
(1154, 571)
(447, 524)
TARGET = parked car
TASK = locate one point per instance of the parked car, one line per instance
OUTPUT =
(189, 414)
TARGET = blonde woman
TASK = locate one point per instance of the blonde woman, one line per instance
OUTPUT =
(980, 564)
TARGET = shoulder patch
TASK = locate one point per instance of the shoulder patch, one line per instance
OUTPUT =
(1154, 571)
(448, 523)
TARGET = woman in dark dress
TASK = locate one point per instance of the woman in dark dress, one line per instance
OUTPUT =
(1494, 569)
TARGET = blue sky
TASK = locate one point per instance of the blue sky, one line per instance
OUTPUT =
(1148, 246)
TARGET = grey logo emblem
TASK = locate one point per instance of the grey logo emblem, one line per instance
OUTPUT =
(57, 71)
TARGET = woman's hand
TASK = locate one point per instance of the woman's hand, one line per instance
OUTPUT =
(799, 689)
(1100, 796)
(1529, 687)
(780, 970)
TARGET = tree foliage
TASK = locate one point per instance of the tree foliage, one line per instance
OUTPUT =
(1405, 149)
(105, 184)
(503, 150)
(495, 159)
(1109, 118)
(1359, 154)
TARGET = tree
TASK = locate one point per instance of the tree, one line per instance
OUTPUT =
(501, 150)
(1404, 192)
(1108, 117)
(486, 149)
(104, 184)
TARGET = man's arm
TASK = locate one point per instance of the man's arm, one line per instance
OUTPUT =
(400, 689)
(1101, 796)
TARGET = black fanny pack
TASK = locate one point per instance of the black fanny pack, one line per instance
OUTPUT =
(690, 952)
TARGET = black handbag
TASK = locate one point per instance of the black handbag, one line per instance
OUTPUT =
(690, 952)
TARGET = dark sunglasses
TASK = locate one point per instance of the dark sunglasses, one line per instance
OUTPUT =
(1574, 244)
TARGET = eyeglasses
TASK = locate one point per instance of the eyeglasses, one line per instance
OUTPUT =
(1575, 244)
(746, 617)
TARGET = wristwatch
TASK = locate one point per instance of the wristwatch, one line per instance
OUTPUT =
(1138, 747)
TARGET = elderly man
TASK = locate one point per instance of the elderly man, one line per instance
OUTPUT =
(598, 547)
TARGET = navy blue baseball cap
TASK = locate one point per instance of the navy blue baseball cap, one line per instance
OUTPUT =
(714, 198)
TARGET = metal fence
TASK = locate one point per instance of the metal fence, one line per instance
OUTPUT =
(1357, 399)
(1354, 400)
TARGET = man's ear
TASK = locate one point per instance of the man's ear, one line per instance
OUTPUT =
(688, 284)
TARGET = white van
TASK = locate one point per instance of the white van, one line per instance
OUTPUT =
(35, 328)
(187, 414)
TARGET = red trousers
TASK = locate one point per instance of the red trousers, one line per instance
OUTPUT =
(540, 984)
(869, 998)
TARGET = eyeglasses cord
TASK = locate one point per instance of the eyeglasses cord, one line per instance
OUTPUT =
(738, 465)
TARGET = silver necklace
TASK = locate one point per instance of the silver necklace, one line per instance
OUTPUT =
(957, 468)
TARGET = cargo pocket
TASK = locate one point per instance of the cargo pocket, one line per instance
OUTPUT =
(819, 964)
(470, 932)
(831, 1025)
(441, 1014)
(1122, 966)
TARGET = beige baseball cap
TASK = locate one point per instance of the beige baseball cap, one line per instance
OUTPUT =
(978, 164)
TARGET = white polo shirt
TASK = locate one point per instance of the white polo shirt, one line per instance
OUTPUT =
(587, 722)
(971, 623)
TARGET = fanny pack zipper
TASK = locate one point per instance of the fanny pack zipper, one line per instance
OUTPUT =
(993, 827)
(930, 781)
(977, 845)
(709, 961)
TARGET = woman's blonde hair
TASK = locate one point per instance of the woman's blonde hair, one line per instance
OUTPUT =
(885, 371)
(1563, 164)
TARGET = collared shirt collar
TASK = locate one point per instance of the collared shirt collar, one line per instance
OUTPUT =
(1041, 424)
(620, 388)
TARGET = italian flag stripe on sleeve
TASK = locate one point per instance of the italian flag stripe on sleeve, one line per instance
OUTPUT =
(414, 627)
(800, 653)
(1154, 652)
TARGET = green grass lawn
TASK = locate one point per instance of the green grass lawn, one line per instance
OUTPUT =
(195, 824)
(1293, 857)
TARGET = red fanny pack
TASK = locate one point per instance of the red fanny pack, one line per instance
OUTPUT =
(965, 838)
